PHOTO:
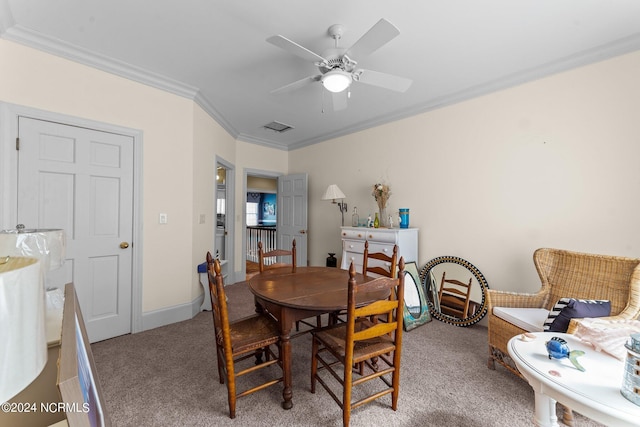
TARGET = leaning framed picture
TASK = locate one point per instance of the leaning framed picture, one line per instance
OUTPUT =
(77, 377)
(416, 308)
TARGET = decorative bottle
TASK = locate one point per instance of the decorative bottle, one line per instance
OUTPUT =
(354, 218)
(376, 221)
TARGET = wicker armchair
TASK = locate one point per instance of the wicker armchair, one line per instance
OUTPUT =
(566, 274)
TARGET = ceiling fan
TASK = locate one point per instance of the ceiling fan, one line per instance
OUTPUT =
(338, 67)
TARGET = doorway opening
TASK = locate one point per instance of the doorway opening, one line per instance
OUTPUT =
(224, 217)
(261, 218)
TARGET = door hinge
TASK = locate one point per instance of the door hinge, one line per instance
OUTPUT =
(17, 144)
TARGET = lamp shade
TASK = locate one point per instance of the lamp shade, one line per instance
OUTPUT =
(336, 80)
(333, 192)
(23, 341)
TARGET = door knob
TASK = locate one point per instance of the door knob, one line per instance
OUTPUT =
(124, 245)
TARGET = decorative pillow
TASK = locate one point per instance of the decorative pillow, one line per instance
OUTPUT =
(555, 311)
(568, 308)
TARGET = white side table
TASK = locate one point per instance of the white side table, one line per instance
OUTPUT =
(594, 393)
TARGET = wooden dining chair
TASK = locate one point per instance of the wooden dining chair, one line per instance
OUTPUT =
(240, 340)
(379, 268)
(338, 348)
(276, 253)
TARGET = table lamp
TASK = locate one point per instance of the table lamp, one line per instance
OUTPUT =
(332, 193)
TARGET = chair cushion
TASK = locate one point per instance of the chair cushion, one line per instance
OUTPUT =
(529, 319)
(568, 308)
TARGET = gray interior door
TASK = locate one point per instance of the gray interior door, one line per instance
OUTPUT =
(81, 180)
(292, 214)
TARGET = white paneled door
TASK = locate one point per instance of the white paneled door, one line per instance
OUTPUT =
(81, 180)
(292, 214)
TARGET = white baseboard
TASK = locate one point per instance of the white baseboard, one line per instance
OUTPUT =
(168, 315)
(178, 313)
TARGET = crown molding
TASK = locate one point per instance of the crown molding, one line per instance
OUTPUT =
(16, 33)
(204, 103)
(54, 46)
(6, 16)
(264, 142)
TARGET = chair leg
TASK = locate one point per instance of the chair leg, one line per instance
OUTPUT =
(374, 363)
(231, 390)
(221, 373)
(259, 354)
(346, 396)
(491, 363)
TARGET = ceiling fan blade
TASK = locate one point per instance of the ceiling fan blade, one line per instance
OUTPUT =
(295, 48)
(377, 36)
(383, 80)
(297, 84)
(339, 100)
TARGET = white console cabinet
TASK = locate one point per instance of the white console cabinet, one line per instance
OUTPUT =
(380, 240)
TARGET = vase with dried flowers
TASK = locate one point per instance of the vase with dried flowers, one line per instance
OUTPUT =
(382, 192)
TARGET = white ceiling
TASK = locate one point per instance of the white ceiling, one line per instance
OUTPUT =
(214, 51)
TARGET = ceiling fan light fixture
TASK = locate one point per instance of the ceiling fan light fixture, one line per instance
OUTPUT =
(336, 80)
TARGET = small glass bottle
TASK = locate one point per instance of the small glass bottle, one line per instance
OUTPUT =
(355, 218)
(376, 221)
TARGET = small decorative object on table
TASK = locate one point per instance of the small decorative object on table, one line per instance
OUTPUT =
(559, 349)
(332, 261)
(631, 381)
(382, 192)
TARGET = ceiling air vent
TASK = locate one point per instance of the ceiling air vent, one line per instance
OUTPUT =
(278, 127)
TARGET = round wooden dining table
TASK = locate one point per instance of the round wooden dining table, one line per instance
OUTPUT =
(309, 292)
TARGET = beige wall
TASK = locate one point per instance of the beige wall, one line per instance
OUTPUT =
(180, 145)
(34, 79)
(251, 157)
(550, 163)
(210, 140)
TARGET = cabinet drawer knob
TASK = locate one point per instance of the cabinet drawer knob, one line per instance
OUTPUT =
(350, 246)
(385, 250)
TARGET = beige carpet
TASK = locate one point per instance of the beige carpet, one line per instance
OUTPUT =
(168, 377)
